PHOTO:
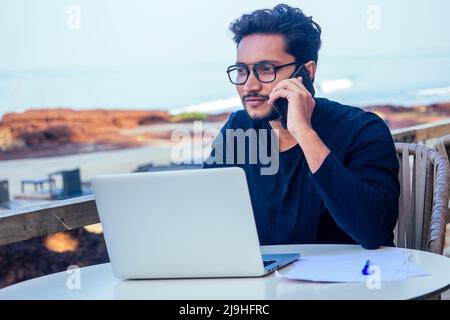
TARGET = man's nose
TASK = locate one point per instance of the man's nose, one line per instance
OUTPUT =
(252, 83)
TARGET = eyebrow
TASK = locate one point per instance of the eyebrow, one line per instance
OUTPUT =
(271, 61)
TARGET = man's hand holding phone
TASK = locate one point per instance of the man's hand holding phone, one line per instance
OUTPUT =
(300, 105)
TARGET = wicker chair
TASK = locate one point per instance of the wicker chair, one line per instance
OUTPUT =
(425, 186)
(443, 146)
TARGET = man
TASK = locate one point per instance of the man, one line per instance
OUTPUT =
(337, 180)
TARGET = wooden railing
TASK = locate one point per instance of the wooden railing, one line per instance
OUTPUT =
(422, 132)
(40, 220)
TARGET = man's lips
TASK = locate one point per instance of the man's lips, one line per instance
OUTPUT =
(255, 99)
(253, 102)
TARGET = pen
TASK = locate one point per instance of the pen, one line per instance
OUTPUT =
(365, 270)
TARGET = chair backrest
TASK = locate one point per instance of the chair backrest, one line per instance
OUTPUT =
(425, 181)
(443, 146)
(71, 182)
(4, 191)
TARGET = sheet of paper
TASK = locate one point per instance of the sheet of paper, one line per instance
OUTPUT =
(387, 265)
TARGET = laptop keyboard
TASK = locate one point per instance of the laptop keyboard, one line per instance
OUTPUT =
(268, 262)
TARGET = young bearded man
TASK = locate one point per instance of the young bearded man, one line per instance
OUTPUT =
(337, 174)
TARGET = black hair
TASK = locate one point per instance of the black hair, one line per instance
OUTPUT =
(301, 33)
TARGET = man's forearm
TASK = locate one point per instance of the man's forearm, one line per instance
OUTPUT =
(313, 147)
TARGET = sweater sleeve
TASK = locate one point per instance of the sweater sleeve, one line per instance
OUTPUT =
(362, 196)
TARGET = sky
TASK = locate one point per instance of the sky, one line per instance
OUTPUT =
(62, 34)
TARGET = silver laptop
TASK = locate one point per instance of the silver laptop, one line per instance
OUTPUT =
(181, 224)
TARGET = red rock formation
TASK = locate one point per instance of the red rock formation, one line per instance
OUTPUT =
(46, 129)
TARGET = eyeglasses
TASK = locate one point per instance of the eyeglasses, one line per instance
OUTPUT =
(265, 72)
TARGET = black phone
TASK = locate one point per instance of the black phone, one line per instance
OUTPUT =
(281, 104)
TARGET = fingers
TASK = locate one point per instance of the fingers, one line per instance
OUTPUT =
(292, 84)
(280, 93)
(284, 93)
(297, 82)
(290, 87)
(287, 86)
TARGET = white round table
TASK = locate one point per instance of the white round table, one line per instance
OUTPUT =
(98, 282)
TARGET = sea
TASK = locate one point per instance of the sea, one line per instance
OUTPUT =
(406, 80)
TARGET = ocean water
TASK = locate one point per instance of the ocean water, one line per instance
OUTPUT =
(359, 81)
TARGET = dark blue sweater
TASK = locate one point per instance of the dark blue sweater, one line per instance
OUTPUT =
(351, 198)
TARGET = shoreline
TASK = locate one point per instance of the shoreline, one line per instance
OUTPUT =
(43, 133)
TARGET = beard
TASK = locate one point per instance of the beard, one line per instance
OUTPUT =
(269, 115)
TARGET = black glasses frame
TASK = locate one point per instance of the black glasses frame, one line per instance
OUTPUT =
(275, 68)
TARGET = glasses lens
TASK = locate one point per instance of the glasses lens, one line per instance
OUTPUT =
(265, 71)
(238, 74)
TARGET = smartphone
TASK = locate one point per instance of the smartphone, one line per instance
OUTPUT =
(281, 104)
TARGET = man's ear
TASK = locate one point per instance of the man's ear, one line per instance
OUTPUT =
(311, 66)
